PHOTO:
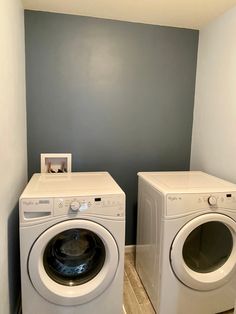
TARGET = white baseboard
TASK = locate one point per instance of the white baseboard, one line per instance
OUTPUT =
(130, 248)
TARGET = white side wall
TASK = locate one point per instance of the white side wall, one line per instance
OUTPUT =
(13, 158)
(214, 126)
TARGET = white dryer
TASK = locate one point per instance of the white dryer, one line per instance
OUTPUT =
(72, 233)
(186, 242)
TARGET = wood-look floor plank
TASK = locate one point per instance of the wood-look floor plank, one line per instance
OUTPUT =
(130, 258)
(125, 277)
(130, 301)
(135, 282)
(136, 300)
(147, 308)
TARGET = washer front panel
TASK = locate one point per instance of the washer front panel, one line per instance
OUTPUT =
(74, 293)
(203, 253)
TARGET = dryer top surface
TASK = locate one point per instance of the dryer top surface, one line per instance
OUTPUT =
(68, 184)
(186, 182)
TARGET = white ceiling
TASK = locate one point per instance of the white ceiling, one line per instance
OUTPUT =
(180, 13)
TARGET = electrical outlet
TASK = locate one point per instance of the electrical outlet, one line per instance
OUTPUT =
(54, 163)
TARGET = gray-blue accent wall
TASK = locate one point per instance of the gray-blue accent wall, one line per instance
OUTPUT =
(117, 95)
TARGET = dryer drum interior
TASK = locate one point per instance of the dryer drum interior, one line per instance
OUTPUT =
(203, 253)
(74, 256)
(208, 247)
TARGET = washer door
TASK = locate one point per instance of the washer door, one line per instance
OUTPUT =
(203, 253)
(73, 262)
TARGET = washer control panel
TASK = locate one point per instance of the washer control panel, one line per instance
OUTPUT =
(107, 205)
(183, 203)
(45, 208)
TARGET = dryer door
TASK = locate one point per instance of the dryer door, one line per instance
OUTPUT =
(73, 262)
(203, 253)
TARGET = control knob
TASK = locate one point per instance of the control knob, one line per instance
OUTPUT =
(74, 206)
(212, 201)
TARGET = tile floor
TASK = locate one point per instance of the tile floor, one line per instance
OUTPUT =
(136, 300)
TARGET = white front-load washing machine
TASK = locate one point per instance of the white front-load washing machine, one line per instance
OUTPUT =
(72, 233)
(186, 242)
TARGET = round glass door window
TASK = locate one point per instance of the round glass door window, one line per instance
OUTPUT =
(74, 257)
(208, 247)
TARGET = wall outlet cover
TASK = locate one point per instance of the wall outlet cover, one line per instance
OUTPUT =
(55, 162)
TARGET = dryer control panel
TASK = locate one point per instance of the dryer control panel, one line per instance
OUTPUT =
(177, 204)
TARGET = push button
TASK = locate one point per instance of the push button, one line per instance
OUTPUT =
(83, 206)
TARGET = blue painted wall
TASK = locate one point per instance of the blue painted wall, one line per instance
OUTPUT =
(117, 95)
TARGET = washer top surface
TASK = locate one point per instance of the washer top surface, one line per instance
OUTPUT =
(186, 181)
(71, 184)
